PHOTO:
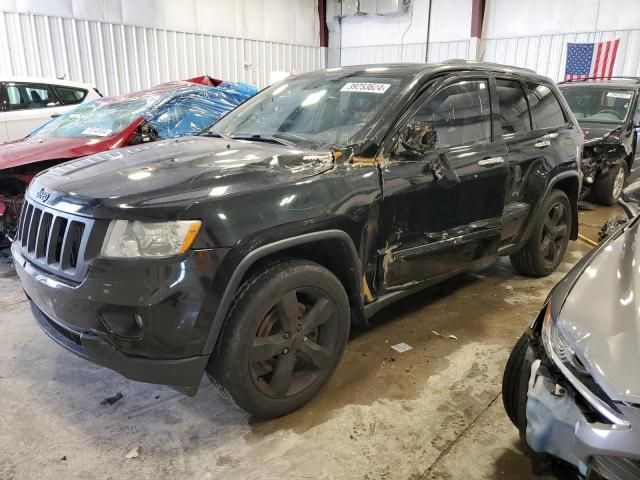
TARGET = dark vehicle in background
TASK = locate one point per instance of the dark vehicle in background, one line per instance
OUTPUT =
(609, 114)
(249, 251)
(570, 385)
(169, 110)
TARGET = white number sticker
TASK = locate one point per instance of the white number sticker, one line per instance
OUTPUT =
(97, 132)
(366, 87)
(619, 95)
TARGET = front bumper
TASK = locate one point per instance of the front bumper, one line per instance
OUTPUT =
(558, 425)
(185, 373)
(170, 297)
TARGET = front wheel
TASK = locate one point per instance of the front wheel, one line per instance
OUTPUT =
(282, 339)
(608, 187)
(544, 250)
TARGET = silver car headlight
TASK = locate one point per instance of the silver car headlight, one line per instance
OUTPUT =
(561, 354)
(555, 342)
(136, 239)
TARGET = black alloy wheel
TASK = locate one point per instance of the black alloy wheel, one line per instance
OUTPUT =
(294, 343)
(282, 339)
(548, 242)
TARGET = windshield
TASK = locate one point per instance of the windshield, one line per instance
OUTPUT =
(598, 104)
(328, 110)
(100, 118)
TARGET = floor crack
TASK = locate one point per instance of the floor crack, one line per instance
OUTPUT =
(446, 451)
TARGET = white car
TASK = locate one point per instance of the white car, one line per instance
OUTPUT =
(26, 103)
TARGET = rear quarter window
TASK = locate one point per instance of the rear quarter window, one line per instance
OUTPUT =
(545, 107)
(70, 95)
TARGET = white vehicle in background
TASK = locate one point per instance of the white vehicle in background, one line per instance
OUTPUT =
(28, 102)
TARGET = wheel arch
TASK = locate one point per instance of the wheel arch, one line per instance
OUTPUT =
(569, 183)
(333, 249)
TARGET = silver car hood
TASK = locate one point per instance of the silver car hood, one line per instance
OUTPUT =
(601, 317)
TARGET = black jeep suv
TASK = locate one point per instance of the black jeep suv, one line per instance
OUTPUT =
(249, 251)
(609, 113)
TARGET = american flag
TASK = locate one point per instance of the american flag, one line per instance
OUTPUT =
(591, 60)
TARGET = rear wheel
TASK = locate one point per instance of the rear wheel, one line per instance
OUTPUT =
(282, 339)
(608, 187)
(544, 250)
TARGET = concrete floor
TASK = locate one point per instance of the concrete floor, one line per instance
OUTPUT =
(434, 412)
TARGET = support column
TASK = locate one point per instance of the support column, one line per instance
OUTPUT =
(477, 19)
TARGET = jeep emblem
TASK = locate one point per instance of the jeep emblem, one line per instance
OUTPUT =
(43, 195)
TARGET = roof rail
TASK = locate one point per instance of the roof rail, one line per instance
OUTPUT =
(573, 80)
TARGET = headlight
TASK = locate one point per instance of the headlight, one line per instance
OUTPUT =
(556, 343)
(135, 239)
(574, 371)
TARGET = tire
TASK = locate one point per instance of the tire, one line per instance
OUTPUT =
(515, 384)
(608, 187)
(548, 242)
(282, 339)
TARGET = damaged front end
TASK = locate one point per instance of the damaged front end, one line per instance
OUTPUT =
(570, 417)
(601, 154)
(13, 184)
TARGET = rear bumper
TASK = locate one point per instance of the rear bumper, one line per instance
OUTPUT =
(183, 373)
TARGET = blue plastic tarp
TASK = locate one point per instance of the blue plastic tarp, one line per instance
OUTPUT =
(190, 110)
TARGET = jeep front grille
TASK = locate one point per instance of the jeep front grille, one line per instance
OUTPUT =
(53, 240)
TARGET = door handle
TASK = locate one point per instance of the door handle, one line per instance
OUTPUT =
(487, 162)
(542, 144)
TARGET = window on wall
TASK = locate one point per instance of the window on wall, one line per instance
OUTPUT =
(69, 95)
(25, 95)
(459, 114)
(546, 110)
(514, 111)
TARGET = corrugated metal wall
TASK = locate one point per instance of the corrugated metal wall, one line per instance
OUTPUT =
(412, 52)
(547, 54)
(120, 58)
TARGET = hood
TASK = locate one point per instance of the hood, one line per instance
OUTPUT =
(595, 132)
(176, 173)
(34, 150)
(601, 317)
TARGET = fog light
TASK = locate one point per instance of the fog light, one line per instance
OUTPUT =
(122, 323)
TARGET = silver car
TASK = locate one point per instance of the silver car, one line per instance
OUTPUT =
(571, 384)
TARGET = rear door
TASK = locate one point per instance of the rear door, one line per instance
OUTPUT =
(530, 153)
(30, 105)
(438, 221)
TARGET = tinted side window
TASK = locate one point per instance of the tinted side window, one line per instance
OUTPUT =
(514, 111)
(69, 95)
(27, 95)
(545, 107)
(459, 114)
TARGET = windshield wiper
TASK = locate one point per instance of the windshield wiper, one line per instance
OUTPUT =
(265, 139)
(209, 133)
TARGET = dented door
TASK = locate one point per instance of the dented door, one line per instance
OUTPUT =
(442, 211)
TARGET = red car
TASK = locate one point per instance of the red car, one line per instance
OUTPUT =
(169, 110)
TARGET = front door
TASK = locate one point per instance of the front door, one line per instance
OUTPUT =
(442, 208)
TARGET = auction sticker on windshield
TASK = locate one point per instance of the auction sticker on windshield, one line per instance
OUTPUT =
(97, 132)
(619, 95)
(365, 87)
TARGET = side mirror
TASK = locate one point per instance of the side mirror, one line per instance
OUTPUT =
(418, 138)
